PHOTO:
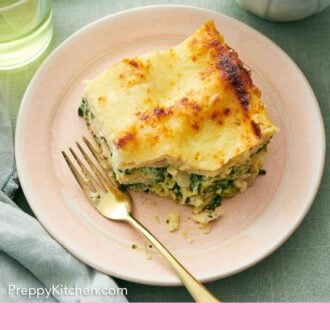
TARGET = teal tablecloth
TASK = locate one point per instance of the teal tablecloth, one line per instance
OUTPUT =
(299, 270)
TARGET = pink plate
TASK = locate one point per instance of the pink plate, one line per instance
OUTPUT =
(254, 223)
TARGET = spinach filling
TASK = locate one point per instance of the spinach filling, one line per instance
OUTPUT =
(216, 201)
(85, 112)
(83, 109)
(195, 182)
(163, 183)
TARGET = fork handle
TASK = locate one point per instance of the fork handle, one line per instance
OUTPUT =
(198, 291)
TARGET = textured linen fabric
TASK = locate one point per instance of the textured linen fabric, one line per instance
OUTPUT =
(29, 257)
(299, 270)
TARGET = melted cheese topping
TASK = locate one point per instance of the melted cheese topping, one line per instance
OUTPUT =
(193, 106)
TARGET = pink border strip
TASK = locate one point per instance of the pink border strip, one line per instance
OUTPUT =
(166, 316)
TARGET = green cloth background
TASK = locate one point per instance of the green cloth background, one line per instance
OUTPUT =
(299, 270)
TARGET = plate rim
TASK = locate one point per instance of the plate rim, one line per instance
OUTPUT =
(299, 216)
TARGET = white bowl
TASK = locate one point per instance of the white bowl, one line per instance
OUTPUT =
(284, 10)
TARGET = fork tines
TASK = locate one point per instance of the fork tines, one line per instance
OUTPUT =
(96, 179)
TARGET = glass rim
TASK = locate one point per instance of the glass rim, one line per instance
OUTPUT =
(13, 5)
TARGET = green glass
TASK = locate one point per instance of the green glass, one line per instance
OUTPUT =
(25, 31)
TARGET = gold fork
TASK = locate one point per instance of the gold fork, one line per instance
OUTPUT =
(115, 204)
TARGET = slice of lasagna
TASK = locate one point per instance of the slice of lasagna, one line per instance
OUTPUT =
(185, 123)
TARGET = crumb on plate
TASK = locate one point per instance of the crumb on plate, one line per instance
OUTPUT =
(173, 221)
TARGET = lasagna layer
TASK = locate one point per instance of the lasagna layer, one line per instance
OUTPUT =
(185, 123)
(202, 192)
